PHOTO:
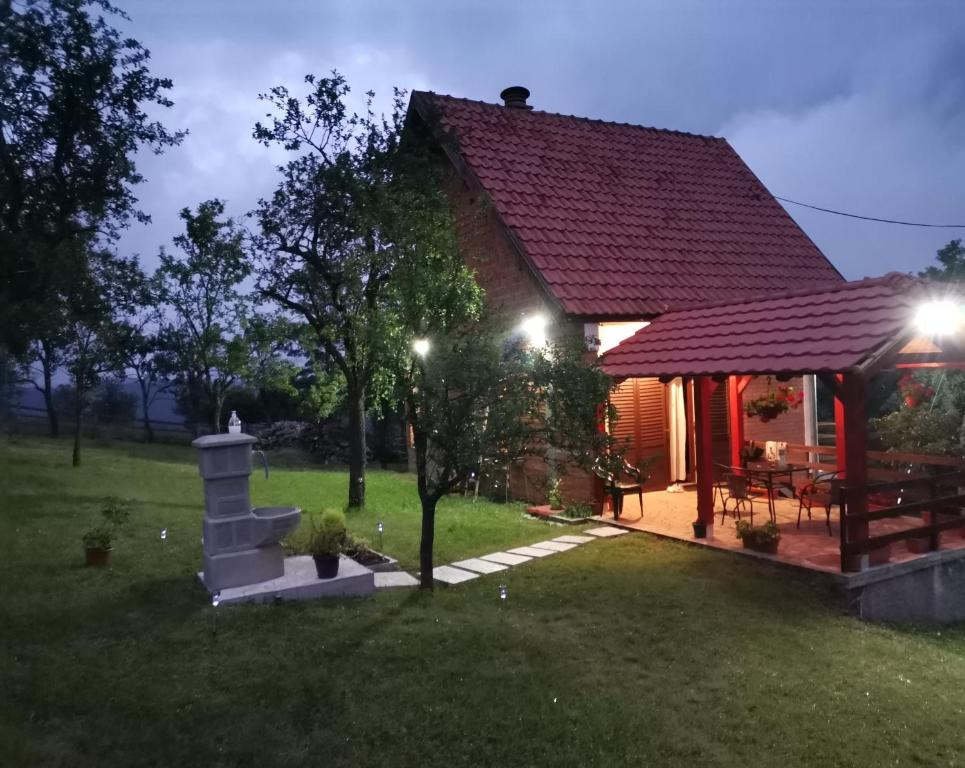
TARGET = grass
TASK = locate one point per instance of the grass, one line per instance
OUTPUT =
(624, 652)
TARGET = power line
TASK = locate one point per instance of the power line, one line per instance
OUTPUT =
(870, 218)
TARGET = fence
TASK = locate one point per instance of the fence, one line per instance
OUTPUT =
(939, 499)
(34, 419)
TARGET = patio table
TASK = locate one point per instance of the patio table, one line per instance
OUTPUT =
(770, 476)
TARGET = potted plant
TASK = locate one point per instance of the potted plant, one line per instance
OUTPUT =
(99, 540)
(700, 529)
(774, 402)
(760, 538)
(327, 542)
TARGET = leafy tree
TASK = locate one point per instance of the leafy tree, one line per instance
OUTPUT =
(90, 348)
(477, 402)
(75, 98)
(41, 360)
(952, 260)
(204, 349)
(353, 208)
(137, 343)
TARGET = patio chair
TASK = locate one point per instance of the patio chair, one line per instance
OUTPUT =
(824, 489)
(720, 482)
(617, 489)
(738, 493)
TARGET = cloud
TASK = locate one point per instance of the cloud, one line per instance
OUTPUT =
(892, 147)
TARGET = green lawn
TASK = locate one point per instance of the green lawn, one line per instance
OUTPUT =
(625, 652)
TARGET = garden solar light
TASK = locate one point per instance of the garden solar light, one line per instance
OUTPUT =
(164, 534)
(421, 347)
(938, 318)
(216, 599)
(503, 591)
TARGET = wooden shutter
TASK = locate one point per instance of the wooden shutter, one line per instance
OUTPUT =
(641, 406)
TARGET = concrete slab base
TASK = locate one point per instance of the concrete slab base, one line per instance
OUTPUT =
(446, 574)
(504, 558)
(574, 539)
(606, 531)
(300, 582)
(531, 552)
(554, 546)
(479, 566)
(389, 579)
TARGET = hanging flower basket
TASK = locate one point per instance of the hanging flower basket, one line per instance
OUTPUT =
(774, 402)
(913, 392)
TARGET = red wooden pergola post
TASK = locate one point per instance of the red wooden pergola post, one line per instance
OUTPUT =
(735, 416)
(840, 436)
(704, 387)
(854, 392)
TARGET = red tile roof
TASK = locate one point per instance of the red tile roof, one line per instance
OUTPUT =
(830, 330)
(626, 221)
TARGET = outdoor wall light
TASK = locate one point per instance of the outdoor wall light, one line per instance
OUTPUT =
(938, 318)
(534, 327)
(421, 347)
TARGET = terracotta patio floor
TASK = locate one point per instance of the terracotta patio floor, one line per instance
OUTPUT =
(671, 514)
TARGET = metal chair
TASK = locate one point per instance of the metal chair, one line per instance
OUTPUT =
(738, 490)
(720, 482)
(617, 489)
(824, 489)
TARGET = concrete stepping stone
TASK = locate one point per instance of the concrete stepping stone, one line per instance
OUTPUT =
(388, 579)
(606, 531)
(504, 558)
(479, 566)
(449, 575)
(554, 546)
(574, 539)
(531, 552)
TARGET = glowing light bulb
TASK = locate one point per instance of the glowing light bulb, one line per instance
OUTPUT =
(421, 347)
(938, 318)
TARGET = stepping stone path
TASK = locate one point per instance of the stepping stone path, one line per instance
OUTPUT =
(504, 558)
(606, 531)
(530, 552)
(480, 566)
(446, 574)
(574, 539)
(388, 579)
(474, 567)
(554, 546)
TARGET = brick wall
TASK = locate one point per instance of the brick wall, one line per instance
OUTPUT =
(511, 292)
(788, 427)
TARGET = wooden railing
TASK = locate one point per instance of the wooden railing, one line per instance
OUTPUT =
(883, 465)
(940, 499)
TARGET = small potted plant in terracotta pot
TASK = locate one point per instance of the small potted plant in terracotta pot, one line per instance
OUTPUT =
(327, 542)
(99, 540)
(760, 538)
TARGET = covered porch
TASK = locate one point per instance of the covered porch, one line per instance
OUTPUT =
(892, 508)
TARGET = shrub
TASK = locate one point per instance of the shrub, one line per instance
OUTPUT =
(755, 536)
(329, 536)
(116, 513)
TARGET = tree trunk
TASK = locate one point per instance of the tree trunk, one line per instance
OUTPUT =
(428, 537)
(145, 411)
(78, 419)
(356, 447)
(52, 419)
(217, 407)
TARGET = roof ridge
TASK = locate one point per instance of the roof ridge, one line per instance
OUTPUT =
(652, 128)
